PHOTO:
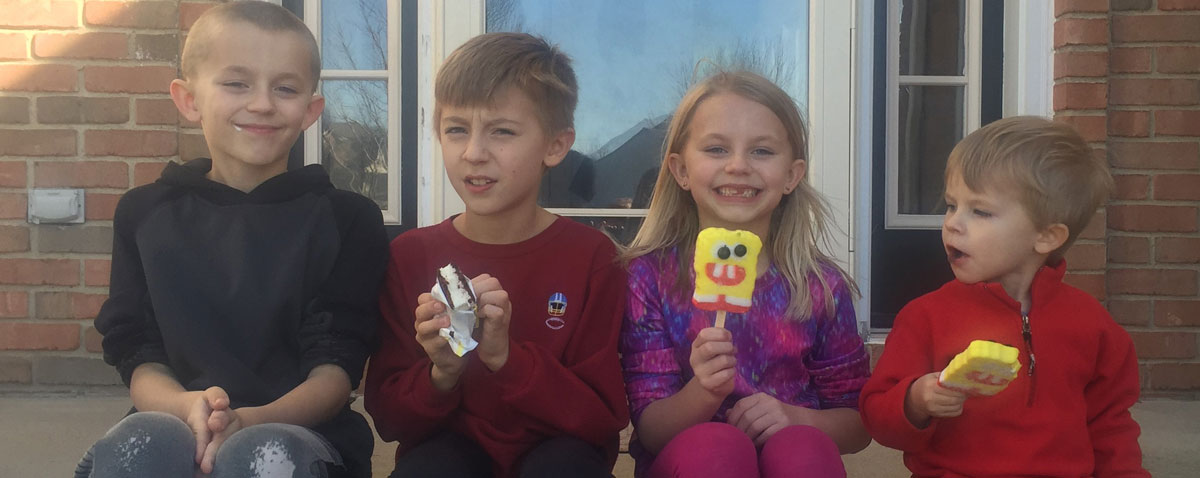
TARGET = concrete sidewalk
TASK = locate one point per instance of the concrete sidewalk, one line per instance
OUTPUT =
(45, 436)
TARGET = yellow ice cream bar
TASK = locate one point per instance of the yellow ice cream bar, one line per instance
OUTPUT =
(985, 368)
(725, 269)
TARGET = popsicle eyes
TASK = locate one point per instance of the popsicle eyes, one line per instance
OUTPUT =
(723, 251)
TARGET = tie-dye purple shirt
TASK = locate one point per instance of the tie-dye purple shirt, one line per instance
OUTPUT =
(819, 363)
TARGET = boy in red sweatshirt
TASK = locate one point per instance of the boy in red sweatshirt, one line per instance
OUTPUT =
(542, 394)
(1018, 192)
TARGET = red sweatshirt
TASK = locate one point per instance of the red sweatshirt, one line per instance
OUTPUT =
(1069, 418)
(563, 376)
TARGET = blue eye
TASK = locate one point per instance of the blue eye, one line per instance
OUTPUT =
(454, 130)
(982, 213)
(714, 150)
(763, 152)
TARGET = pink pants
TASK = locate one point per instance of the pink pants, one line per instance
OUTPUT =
(721, 450)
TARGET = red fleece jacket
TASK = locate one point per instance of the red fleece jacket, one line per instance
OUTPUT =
(1069, 418)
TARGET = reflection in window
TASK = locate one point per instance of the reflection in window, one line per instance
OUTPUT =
(354, 139)
(931, 123)
(634, 61)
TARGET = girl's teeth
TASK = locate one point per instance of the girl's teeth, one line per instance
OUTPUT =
(239, 128)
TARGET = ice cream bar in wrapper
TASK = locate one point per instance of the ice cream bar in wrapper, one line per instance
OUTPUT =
(454, 290)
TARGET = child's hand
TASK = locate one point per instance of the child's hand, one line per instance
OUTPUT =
(496, 312)
(926, 399)
(201, 410)
(760, 416)
(431, 316)
(713, 362)
(222, 424)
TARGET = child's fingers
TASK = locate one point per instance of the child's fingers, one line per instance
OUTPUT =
(210, 453)
(216, 398)
(219, 420)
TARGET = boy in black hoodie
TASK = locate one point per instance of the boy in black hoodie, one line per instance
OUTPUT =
(243, 299)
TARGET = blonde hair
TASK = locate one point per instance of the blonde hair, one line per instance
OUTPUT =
(487, 64)
(263, 15)
(797, 224)
(1056, 176)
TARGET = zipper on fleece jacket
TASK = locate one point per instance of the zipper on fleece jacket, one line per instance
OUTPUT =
(1027, 334)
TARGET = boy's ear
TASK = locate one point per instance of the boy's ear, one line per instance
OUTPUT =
(315, 108)
(1051, 238)
(678, 169)
(798, 170)
(185, 100)
(559, 146)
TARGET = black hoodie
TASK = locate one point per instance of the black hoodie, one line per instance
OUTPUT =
(247, 291)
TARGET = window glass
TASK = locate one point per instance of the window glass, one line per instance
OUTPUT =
(354, 141)
(354, 35)
(931, 37)
(930, 124)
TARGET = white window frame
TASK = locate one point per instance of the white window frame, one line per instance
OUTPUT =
(829, 110)
(312, 140)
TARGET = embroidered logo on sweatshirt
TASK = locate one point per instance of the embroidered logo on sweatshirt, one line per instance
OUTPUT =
(556, 307)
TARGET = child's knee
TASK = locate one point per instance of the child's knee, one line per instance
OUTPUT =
(145, 444)
(801, 447)
(271, 450)
(708, 449)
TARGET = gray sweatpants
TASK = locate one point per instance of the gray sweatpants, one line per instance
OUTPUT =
(155, 444)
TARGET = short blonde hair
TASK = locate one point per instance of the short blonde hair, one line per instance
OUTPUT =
(1055, 175)
(798, 223)
(487, 64)
(263, 15)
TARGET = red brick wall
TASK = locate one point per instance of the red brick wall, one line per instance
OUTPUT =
(83, 104)
(1127, 73)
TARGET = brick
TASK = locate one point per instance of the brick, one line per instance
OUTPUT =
(1152, 28)
(192, 146)
(100, 206)
(93, 341)
(1096, 227)
(1091, 283)
(1080, 96)
(1179, 4)
(1081, 64)
(68, 305)
(156, 47)
(1176, 250)
(41, 14)
(14, 46)
(14, 206)
(40, 142)
(1091, 127)
(1119, 5)
(81, 110)
(86, 174)
(1167, 282)
(1130, 60)
(1177, 187)
(14, 110)
(153, 111)
(1177, 123)
(190, 11)
(1164, 345)
(14, 238)
(83, 239)
(1129, 123)
(21, 336)
(129, 143)
(15, 370)
(38, 77)
(1152, 218)
(1130, 312)
(1128, 249)
(147, 172)
(96, 272)
(1150, 91)
(87, 46)
(1131, 186)
(12, 173)
(14, 304)
(1084, 257)
(1079, 6)
(1174, 376)
(1080, 31)
(1156, 155)
(39, 271)
(159, 15)
(128, 79)
(1177, 313)
(1178, 59)
(49, 370)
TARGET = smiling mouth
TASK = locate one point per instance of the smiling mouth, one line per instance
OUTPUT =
(737, 191)
(479, 181)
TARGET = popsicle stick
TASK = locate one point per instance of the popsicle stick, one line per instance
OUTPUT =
(720, 319)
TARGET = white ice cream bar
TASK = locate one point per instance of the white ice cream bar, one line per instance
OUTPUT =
(456, 287)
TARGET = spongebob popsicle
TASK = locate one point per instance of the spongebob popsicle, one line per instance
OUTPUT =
(984, 368)
(725, 270)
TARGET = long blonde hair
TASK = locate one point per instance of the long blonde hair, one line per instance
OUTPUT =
(798, 223)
